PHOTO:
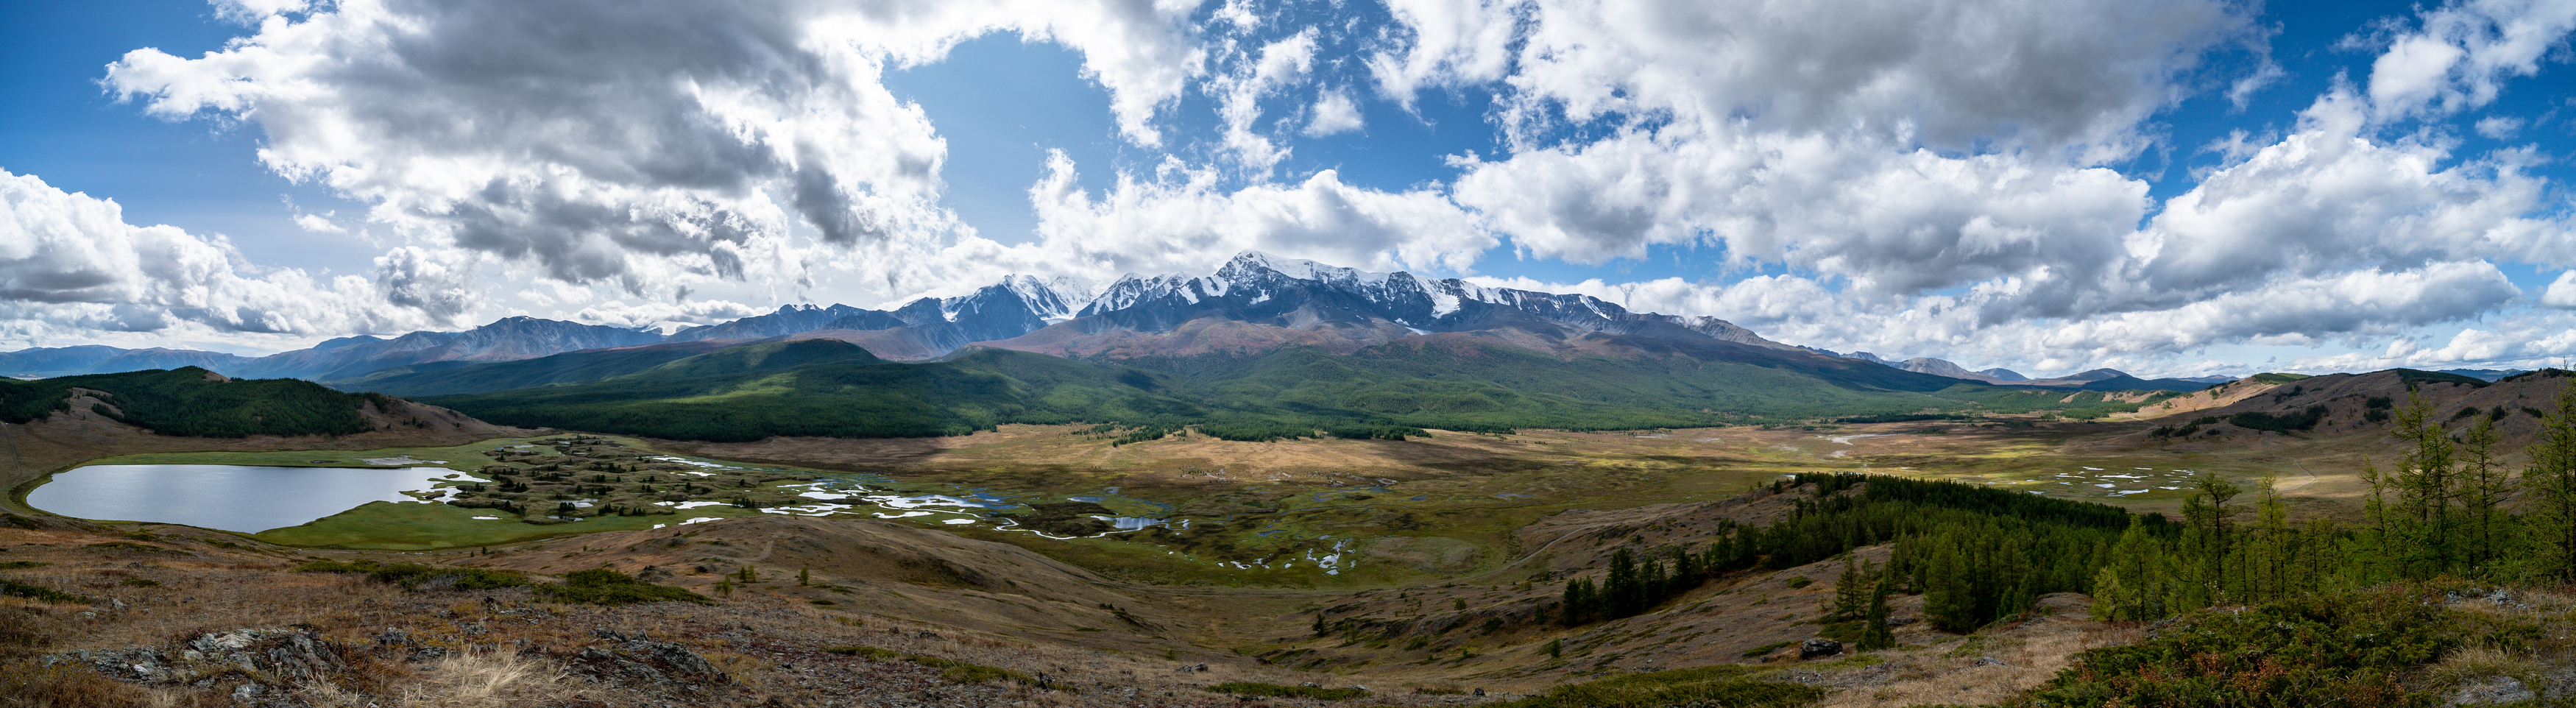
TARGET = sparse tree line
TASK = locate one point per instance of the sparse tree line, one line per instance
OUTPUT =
(2442, 508)
(1979, 555)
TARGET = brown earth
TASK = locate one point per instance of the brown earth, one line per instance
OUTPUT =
(909, 590)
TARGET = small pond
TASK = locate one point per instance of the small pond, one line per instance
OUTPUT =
(229, 497)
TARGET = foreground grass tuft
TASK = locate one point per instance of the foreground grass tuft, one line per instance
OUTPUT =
(1710, 686)
(606, 586)
(950, 669)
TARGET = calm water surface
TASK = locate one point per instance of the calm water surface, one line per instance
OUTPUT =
(229, 497)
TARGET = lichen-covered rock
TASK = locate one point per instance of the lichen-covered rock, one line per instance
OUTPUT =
(2493, 690)
(258, 659)
(638, 660)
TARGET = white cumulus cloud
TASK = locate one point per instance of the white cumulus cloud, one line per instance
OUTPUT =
(1179, 220)
(642, 144)
(71, 267)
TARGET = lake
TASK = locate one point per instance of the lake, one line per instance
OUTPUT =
(230, 497)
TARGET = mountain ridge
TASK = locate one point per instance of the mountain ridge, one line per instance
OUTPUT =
(1253, 303)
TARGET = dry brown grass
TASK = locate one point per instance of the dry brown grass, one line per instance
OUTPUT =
(484, 680)
(2472, 663)
(64, 687)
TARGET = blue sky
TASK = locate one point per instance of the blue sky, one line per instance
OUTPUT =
(2171, 188)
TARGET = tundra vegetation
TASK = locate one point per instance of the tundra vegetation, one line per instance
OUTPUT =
(1547, 567)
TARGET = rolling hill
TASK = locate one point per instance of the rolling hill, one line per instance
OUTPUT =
(1452, 381)
(193, 402)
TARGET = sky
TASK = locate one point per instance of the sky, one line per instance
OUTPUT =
(2169, 187)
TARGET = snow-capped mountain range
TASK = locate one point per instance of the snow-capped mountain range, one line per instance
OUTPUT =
(1254, 301)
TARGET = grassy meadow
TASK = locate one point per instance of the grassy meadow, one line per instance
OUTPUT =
(1320, 513)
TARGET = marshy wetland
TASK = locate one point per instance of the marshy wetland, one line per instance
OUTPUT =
(1313, 513)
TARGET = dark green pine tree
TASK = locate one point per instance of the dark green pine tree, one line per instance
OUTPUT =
(2485, 484)
(1578, 601)
(1949, 595)
(2551, 477)
(1851, 592)
(1620, 588)
(1875, 632)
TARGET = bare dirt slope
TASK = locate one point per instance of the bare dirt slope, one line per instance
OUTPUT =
(336, 639)
(878, 568)
(917, 603)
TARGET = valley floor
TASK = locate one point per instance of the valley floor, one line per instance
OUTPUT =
(1460, 539)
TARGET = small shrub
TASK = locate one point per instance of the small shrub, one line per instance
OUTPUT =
(418, 577)
(2329, 649)
(1800, 582)
(15, 565)
(606, 586)
(137, 547)
(868, 653)
(41, 594)
(139, 582)
(952, 670)
(1248, 688)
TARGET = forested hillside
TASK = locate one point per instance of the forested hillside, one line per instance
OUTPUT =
(831, 388)
(190, 401)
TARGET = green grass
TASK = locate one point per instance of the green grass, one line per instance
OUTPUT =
(950, 669)
(1726, 686)
(390, 526)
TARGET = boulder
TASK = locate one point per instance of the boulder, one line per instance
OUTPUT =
(289, 656)
(1813, 648)
(638, 660)
(2493, 690)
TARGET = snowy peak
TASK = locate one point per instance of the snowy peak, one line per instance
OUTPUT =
(1052, 299)
(1252, 288)
(1250, 264)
